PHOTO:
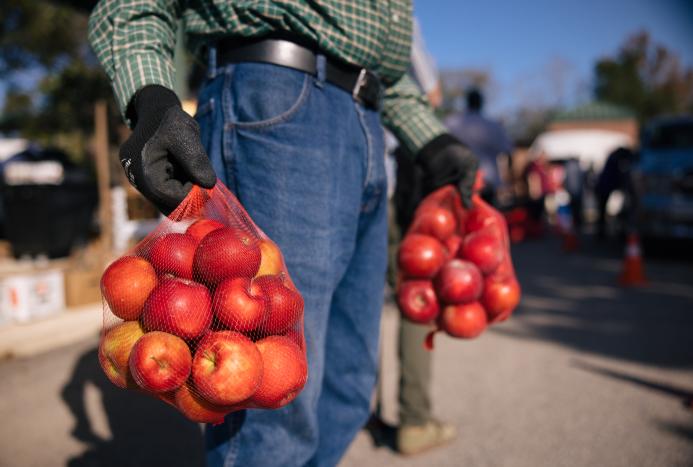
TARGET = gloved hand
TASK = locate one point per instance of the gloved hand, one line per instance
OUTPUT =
(164, 157)
(445, 160)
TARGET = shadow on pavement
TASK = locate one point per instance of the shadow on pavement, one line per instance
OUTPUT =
(685, 395)
(678, 429)
(573, 300)
(145, 431)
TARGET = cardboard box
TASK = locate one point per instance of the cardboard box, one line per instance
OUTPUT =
(5, 249)
(82, 286)
(29, 295)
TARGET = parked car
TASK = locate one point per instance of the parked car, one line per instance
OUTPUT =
(664, 179)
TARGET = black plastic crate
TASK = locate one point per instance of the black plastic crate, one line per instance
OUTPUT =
(48, 219)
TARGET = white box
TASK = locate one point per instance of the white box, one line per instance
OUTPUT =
(5, 315)
(26, 296)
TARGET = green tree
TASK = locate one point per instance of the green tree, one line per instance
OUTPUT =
(38, 34)
(645, 77)
(52, 78)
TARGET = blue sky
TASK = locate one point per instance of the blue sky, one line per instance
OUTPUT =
(541, 52)
(523, 43)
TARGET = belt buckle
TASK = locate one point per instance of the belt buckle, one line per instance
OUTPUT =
(360, 82)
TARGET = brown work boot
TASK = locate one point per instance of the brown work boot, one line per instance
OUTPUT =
(413, 439)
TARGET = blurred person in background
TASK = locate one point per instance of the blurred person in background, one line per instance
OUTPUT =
(573, 183)
(485, 137)
(290, 119)
(418, 430)
(537, 176)
(615, 175)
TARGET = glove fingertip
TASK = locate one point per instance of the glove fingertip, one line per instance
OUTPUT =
(206, 180)
(208, 185)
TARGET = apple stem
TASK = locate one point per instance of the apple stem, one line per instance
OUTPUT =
(210, 356)
(161, 363)
(112, 362)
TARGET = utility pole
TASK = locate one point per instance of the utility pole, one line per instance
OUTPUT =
(103, 175)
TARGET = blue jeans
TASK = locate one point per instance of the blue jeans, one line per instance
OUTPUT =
(307, 163)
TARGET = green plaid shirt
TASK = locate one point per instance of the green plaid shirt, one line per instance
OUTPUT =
(134, 40)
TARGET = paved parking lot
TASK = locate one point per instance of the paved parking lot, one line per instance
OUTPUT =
(585, 374)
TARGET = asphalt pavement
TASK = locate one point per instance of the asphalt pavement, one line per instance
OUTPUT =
(585, 373)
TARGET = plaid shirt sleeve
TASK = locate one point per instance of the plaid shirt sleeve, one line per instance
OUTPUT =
(134, 41)
(408, 115)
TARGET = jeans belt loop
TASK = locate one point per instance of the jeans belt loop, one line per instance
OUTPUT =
(211, 61)
(320, 64)
(360, 81)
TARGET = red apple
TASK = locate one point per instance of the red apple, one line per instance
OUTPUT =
(477, 219)
(114, 352)
(452, 245)
(200, 228)
(466, 321)
(474, 221)
(435, 221)
(160, 362)
(500, 297)
(417, 301)
(225, 253)
(126, 284)
(420, 256)
(504, 271)
(284, 304)
(227, 367)
(484, 249)
(173, 254)
(271, 262)
(237, 304)
(295, 335)
(458, 281)
(284, 372)
(196, 408)
(179, 306)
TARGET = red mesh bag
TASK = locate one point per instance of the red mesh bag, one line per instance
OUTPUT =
(455, 268)
(203, 315)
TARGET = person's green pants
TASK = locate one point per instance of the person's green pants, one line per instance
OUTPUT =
(415, 374)
(414, 360)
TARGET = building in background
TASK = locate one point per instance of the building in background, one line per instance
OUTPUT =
(597, 116)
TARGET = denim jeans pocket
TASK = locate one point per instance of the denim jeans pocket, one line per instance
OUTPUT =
(258, 95)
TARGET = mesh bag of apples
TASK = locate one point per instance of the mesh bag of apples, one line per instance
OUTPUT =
(455, 269)
(203, 315)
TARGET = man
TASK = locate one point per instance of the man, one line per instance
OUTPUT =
(616, 175)
(418, 430)
(289, 117)
(485, 137)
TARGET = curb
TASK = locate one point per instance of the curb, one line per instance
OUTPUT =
(67, 327)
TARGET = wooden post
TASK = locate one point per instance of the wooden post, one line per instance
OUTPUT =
(103, 174)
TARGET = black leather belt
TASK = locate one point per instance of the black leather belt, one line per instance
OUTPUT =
(363, 85)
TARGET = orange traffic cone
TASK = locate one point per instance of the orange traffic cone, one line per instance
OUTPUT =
(570, 239)
(633, 272)
(567, 230)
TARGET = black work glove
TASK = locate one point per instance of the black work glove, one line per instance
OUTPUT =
(164, 157)
(445, 160)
